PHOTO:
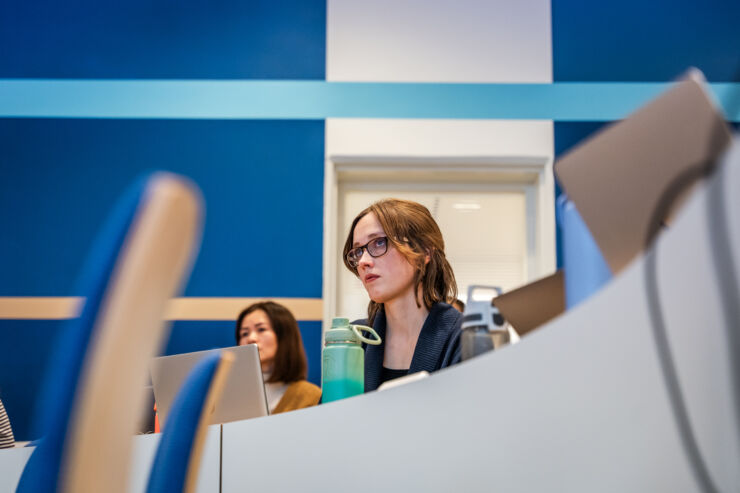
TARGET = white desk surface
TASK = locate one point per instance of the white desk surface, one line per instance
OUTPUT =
(579, 405)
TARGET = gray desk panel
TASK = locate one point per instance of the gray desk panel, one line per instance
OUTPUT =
(579, 405)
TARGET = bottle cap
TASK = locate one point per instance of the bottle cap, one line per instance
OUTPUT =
(341, 332)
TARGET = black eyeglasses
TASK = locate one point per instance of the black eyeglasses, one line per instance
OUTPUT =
(375, 247)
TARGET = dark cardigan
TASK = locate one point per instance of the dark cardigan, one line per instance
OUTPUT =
(438, 345)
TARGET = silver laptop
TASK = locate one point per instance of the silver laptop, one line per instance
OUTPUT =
(243, 396)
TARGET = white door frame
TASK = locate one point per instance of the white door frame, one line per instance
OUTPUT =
(534, 173)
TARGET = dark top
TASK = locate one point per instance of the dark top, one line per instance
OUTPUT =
(390, 374)
(438, 345)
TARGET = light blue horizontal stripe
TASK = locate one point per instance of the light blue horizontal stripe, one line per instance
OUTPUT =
(292, 99)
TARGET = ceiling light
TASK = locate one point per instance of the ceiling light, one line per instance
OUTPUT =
(466, 206)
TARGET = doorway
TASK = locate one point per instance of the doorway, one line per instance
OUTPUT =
(490, 212)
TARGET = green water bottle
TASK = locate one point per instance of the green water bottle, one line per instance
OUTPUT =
(343, 360)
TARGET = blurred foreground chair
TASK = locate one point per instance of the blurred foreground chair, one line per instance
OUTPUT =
(177, 461)
(89, 402)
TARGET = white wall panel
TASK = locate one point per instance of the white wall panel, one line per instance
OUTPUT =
(438, 138)
(439, 40)
(481, 41)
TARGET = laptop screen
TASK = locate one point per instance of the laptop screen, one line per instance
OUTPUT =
(243, 396)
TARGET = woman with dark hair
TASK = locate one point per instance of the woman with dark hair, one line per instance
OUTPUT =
(396, 249)
(275, 331)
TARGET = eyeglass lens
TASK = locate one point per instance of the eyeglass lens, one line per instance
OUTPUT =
(375, 247)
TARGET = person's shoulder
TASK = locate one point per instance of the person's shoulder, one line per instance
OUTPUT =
(448, 317)
(450, 323)
(304, 387)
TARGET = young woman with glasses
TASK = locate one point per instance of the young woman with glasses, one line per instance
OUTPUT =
(396, 249)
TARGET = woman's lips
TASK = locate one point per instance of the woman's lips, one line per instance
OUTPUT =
(370, 278)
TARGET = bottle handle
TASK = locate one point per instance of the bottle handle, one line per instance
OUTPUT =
(357, 330)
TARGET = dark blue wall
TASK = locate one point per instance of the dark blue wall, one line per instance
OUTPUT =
(262, 180)
(632, 40)
(188, 39)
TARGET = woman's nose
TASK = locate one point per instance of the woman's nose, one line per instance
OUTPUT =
(251, 338)
(365, 258)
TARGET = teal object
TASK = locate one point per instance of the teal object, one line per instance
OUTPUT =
(343, 360)
(584, 265)
(319, 99)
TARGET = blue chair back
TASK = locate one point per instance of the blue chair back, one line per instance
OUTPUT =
(60, 387)
(174, 454)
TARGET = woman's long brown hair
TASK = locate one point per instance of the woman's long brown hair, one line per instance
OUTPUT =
(412, 230)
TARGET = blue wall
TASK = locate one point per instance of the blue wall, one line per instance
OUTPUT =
(653, 41)
(62, 176)
(188, 39)
(262, 180)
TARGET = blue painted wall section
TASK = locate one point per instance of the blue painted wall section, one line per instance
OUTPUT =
(638, 41)
(188, 39)
(262, 180)
(315, 100)
(25, 348)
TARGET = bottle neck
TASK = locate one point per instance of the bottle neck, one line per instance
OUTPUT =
(342, 343)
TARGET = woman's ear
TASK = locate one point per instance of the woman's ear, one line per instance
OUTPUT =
(428, 257)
